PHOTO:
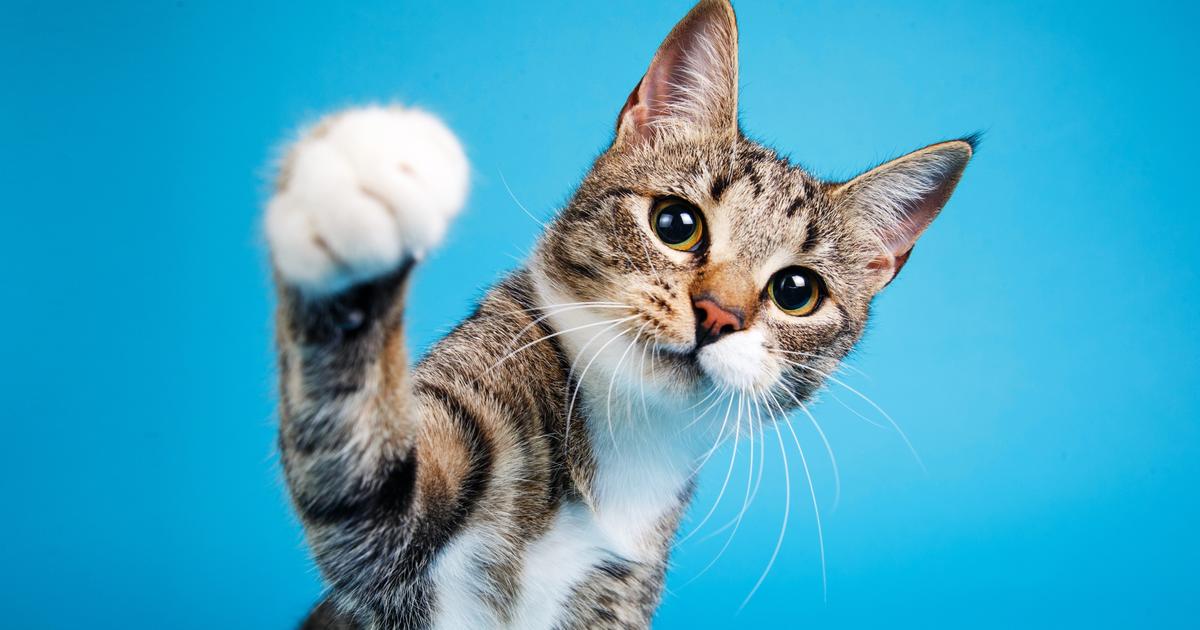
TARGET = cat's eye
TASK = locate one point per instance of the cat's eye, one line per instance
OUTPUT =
(796, 290)
(678, 224)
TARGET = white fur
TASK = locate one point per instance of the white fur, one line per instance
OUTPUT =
(643, 465)
(457, 585)
(365, 190)
(555, 564)
(645, 450)
(740, 361)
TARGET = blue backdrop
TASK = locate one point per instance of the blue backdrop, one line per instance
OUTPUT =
(1039, 348)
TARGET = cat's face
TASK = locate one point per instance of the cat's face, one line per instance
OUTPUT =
(718, 235)
(731, 268)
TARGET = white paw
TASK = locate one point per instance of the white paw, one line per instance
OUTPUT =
(365, 190)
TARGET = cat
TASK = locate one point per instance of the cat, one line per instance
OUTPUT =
(531, 471)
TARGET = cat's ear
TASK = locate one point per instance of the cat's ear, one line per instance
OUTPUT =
(691, 85)
(900, 198)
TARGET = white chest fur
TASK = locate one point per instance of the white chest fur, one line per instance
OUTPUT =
(645, 447)
(640, 478)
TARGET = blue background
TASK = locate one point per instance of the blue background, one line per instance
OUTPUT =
(1039, 348)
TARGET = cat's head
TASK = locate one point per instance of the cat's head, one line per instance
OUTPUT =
(730, 267)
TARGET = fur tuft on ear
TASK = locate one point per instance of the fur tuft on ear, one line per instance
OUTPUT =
(691, 86)
(900, 198)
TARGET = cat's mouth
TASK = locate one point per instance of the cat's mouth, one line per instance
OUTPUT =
(737, 362)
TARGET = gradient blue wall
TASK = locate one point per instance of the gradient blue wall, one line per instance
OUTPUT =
(1039, 349)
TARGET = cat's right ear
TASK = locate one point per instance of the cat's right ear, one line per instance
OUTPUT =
(691, 86)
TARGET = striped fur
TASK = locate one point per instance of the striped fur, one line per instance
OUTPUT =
(531, 471)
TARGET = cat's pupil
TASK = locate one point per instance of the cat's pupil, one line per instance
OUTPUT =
(796, 290)
(675, 224)
(793, 291)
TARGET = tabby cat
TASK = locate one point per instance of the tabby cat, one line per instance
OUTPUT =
(532, 470)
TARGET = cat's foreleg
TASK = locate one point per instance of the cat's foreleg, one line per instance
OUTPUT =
(360, 199)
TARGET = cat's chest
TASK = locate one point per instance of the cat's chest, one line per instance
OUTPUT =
(644, 460)
(556, 564)
(628, 526)
(580, 546)
(638, 488)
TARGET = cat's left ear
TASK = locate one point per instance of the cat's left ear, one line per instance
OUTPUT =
(691, 85)
(900, 198)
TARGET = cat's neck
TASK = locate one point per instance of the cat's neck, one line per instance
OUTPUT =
(645, 439)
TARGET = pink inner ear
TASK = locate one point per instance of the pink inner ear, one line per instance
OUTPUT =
(633, 108)
(665, 89)
(692, 80)
(906, 195)
(895, 263)
(657, 97)
(879, 263)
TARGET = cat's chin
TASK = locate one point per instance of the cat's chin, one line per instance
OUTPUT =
(739, 362)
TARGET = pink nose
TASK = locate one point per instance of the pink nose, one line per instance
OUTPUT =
(714, 321)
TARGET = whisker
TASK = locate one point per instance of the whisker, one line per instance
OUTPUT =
(736, 522)
(787, 508)
(703, 400)
(816, 512)
(556, 334)
(885, 414)
(579, 381)
(720, 434)
(761, 448)
(565, 308)
(804, 381)
(549, 307)
(837, 477)
(612, 381)
(749, 476)
(642, 379)
(841, 361)
(704, 413)
(607, 402)
(855, 411)
(728, 474)
(519, 204)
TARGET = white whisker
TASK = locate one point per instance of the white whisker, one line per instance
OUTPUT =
(720, 434)
(816, 512)
(556, 310)
(703, 400)
(837, 476)
(556, 334)
(787, 508)
(728, 474)
(856, 412)
(885, 414)
(612, 381)
(579, 381)
(762, 448)
(549, 307)
(841, 362)
(642, 380)
(749, 476)
(519, 204)
(736, 522)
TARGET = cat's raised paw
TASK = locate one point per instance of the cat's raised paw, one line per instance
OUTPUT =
(362, 192)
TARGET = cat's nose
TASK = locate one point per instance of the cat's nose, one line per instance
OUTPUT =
(714, 321)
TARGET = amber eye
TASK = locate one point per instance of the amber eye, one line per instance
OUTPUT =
(678, 223)
(796, 290)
